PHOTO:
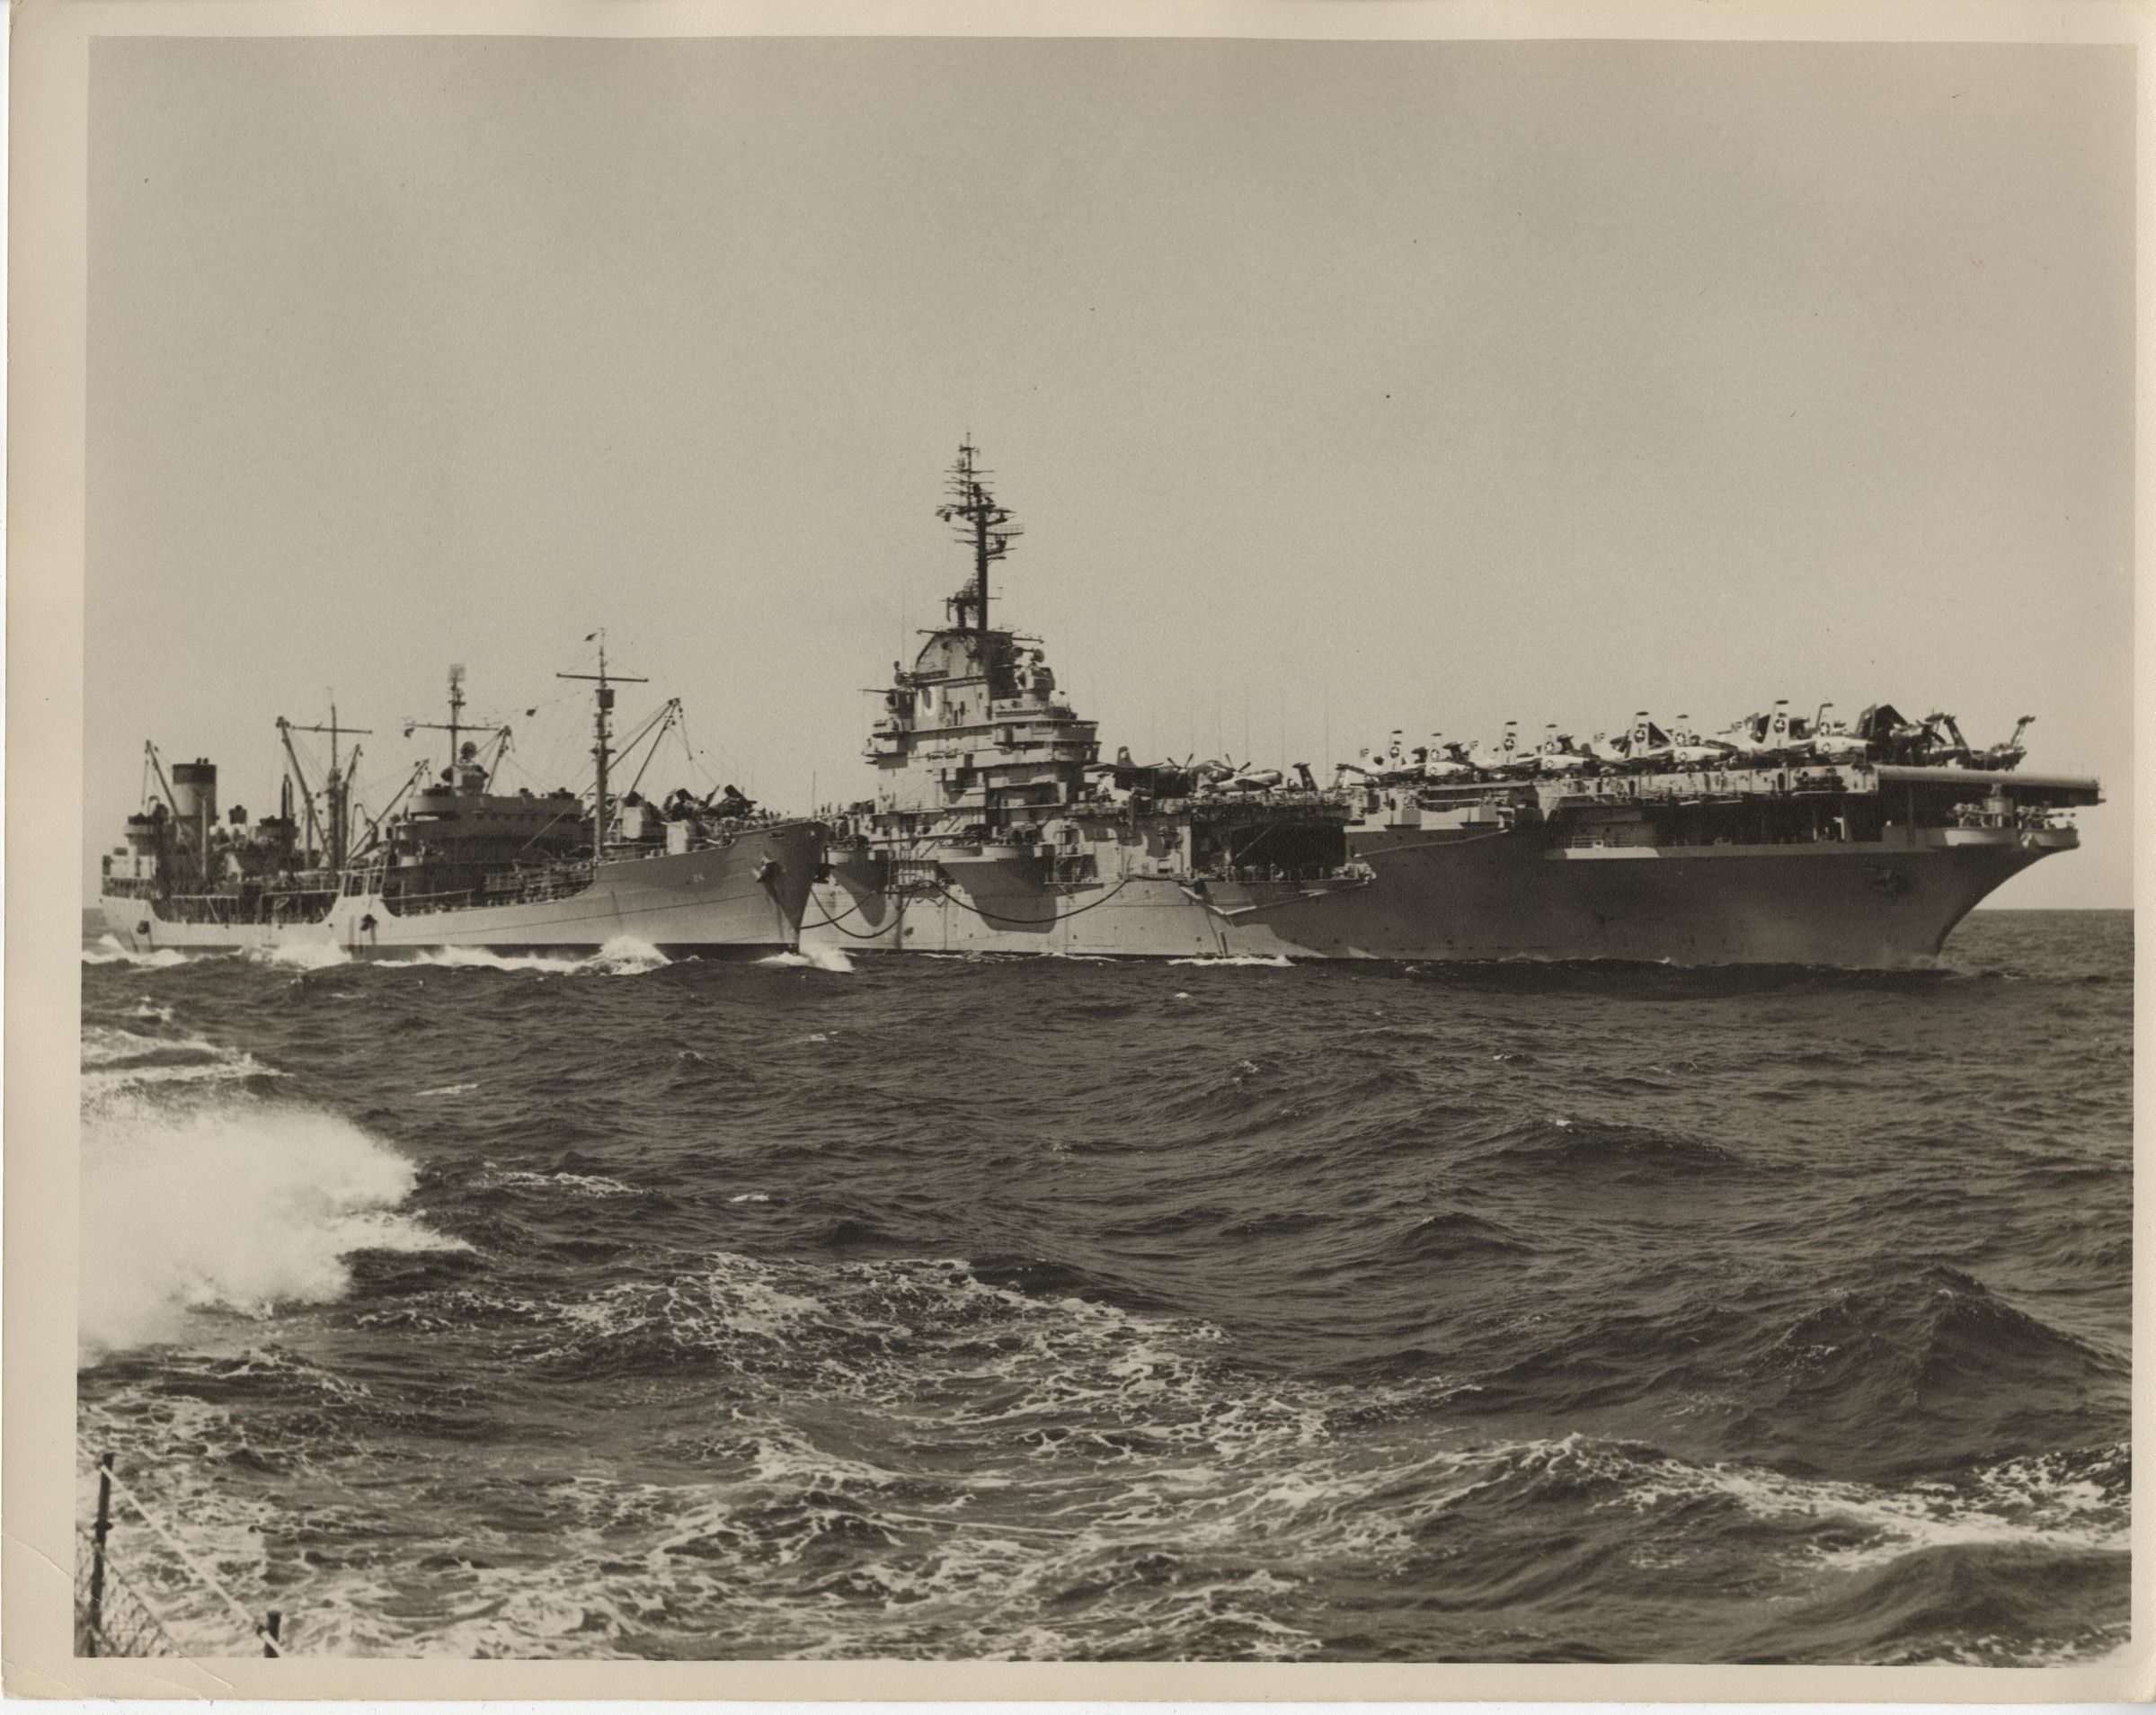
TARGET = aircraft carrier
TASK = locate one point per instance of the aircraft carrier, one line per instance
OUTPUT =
(450, 862)
(995, 827)
(1814, 852)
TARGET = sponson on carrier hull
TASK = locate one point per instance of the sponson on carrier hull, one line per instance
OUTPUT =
(452, 862)
(995, 827)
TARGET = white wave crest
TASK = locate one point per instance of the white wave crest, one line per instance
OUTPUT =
(107, 950)
(116, 1061)
(1278, 961)
(234, 1204)
(590, 1185)
(298, 955)
(2021, 1502)
(101, 1084)
(103, 1044)
(814, 957)
(625, 955)
(621, 955)
(1998, 1509)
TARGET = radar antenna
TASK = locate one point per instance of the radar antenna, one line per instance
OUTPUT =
(978, 521)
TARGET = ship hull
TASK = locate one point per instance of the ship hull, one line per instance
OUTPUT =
(743, 898)
(1860, 906)
(1011, 912)
(1868, 906)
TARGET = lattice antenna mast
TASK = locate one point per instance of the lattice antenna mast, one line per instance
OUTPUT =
(986, 528)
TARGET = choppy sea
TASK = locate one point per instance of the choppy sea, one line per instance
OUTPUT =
(1059, 1308)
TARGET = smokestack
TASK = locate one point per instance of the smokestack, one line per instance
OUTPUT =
(195, 797)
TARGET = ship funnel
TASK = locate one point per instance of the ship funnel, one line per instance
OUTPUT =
(194, 786)
(195, 797)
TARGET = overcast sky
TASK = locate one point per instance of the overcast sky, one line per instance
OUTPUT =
(1338, 387)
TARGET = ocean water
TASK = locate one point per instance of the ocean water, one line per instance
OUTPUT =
(1070, 1310)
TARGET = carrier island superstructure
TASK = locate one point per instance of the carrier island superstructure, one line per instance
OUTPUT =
(996, 827)
(450, 862)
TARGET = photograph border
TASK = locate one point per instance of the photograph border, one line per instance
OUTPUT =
(46, 424)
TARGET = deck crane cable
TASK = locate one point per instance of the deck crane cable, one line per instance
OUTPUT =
(158, 766)
(702, 753)
(689, 750)
(666, 715)
(374, 827)
(576, 804)
(583, 790)
(502, 743)
(634, 738)
(697, 756)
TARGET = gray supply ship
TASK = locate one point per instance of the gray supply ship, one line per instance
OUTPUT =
(451, 863)
(995, 828)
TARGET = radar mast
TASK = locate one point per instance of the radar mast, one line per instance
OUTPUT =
(603, 752)
(336, 790)
(978, 521)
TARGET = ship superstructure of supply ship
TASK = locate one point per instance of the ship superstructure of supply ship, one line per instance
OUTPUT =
(995, 827)
(1782, 839)
(450, 862)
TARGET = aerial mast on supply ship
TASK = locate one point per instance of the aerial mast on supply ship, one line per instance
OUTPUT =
(601, 752)
(336, 790)
(456, 725)
(979, 522)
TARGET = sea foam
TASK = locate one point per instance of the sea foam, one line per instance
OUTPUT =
(814, 957)
(107, 950)
(621, 955)
(234, 1204)
(299, 955)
